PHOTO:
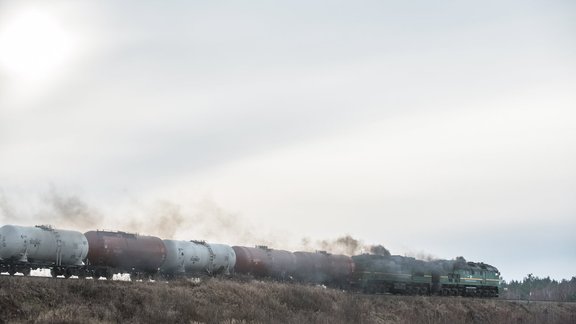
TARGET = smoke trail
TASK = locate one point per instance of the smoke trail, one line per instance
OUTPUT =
(194, 220)
(69, 210)
(345, 244)
(200, 220)
(164, 219)
(421, 255)
(203, 219)
(52, 207)
(6, 209)
(379, 250)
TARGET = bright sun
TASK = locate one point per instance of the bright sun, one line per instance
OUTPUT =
(34, 45)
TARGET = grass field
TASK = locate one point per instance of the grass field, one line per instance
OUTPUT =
(45, 300)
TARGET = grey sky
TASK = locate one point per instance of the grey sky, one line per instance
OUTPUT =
(443, 127)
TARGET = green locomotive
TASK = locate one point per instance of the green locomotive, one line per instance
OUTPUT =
(405, 275)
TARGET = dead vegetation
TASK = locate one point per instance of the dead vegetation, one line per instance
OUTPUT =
(44, 300)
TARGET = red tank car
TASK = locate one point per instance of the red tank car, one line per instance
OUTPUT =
(254, 261)
(126, 252)
(264, 262)
(283, 264)
(324, 268)
(312, 267)
(341, 267)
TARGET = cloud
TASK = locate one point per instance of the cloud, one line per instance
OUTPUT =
(370, 118)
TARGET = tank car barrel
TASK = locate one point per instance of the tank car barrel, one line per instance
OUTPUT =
(42, 244)
(126, 252)
(196, 257)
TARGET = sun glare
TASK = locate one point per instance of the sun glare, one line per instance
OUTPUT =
(34, 45)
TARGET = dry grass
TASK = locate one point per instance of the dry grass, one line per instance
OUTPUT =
(43, 300)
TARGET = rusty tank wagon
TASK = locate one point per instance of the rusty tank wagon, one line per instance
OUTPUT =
(262, 261)
(120, 252)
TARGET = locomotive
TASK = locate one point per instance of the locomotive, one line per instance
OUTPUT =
(99, 254)
(406, 275)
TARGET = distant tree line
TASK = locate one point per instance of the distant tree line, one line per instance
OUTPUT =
(535, 288)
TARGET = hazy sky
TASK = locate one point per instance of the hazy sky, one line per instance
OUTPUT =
(431, 127)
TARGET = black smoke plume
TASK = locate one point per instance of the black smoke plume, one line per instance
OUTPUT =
(346, 245)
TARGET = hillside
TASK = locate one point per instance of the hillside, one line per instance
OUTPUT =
(47, 300)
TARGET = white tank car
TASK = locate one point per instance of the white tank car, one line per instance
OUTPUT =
(42, 244)
(197, 257)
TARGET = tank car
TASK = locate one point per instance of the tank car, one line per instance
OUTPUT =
(197, 257)
(224, 257)
(262, 261)
(120, 252)
(25, 248)
(283, 264)
(323, 268)
(340, 268)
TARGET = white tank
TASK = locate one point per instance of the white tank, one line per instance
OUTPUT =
(198, 257)
(174, 262)
(42, 244)
(224, 258)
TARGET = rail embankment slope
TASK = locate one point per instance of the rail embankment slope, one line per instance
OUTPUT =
(45, 300)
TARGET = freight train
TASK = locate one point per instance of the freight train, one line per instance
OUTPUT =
(99, 254)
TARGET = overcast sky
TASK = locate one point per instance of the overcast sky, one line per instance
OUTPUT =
(442, 128)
